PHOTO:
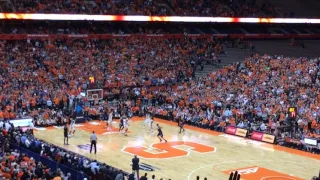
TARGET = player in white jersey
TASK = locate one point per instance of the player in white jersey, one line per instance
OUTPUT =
(72, 127)
(110, 120)
(147, 121)
(151, 125)
(125, 125)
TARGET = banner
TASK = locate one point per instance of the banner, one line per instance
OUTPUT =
(236, 131)
(23, 122)
(256, 135)
(162, 36)
(241, 132)
(260, 136)
(310, 141)
(268, 138)
(231, 130)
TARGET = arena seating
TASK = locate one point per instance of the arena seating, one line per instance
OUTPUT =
(138, 7)
(22, 150)
(253, 95)
(122, 62)
(244, 8)
(261, 106)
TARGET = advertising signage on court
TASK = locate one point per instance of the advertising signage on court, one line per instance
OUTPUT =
(311, 141)
(260, 136)
(236, 131)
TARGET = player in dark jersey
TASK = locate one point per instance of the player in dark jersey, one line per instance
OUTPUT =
(121, 126)
(160, 134)
(181, 124)
(65, 132)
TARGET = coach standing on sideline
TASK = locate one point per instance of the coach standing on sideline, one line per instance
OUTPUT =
(135, 165)
(93, 140)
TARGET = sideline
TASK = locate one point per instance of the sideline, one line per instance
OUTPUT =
(275, 147)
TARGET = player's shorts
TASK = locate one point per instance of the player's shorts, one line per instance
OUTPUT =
(160, 134)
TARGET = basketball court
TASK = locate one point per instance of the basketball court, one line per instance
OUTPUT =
(195, 152)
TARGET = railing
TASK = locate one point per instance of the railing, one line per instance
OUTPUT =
(167, 36)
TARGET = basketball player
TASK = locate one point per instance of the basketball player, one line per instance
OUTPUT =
(125, 125)
(151, 125)
(160, 134)
(146, 121)
(65, 132)
(31, 127)
(121, 124)
(181, 125)
(72, 127)
(110, 120)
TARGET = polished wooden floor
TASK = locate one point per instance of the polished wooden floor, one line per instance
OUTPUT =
(187, 155)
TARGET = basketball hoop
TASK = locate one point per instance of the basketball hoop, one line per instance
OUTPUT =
(93, 94)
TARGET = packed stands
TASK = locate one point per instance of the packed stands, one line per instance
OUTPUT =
(114, 63)
(235, 8)
(253, 95)
(252, 98)
(138, 7)
(24, 156)
(42, 79)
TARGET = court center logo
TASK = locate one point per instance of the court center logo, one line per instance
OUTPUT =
(168, 150)
(84, 146)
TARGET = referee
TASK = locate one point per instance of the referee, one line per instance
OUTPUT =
(135, 165)
(65, 133)
(93, 140)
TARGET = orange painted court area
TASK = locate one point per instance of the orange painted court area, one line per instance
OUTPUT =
(260, 173)
(168, 150)
(100, 128)
(196, 152)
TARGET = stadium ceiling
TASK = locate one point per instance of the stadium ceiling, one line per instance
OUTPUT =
(191, 19)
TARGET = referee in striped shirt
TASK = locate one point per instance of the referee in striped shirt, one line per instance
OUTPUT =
(93, 139)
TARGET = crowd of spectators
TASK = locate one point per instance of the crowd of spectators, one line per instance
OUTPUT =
(16, 164)
(48, 73)
(137, 7)
(253, 95)
(89, 28)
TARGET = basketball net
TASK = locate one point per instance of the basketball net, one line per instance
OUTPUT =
(96, 100)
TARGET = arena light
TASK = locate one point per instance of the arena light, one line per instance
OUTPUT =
(83, 17)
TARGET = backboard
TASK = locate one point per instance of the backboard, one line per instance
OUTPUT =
(94, 94)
